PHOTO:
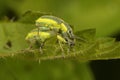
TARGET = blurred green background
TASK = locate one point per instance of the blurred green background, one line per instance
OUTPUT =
(104, 15)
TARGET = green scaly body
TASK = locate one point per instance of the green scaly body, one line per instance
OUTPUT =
(57, 25)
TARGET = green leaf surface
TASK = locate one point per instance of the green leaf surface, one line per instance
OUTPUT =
(13, 43)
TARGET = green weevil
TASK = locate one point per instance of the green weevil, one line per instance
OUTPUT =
(57, 25)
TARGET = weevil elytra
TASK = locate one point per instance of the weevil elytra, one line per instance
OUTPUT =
(58, 25)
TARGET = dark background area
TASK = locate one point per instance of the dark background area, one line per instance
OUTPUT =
(106, 70)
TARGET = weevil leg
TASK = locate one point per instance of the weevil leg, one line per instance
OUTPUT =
(61, 48)
(69, 49)
(41, 48)
(42, 44)
(71, 45)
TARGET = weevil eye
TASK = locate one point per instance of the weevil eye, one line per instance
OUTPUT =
(71, 35)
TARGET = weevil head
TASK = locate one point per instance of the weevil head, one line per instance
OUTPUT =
(67, 30)
(69, 37)
(70, 34)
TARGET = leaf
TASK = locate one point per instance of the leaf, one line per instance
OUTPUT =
(14, 33)
(29, 17)
(86, 35)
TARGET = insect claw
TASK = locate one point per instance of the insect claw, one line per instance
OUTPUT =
(63, 54)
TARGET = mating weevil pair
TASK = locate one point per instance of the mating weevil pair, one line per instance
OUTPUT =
(49, 26)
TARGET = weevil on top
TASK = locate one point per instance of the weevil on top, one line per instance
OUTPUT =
(58, 25)
(48, 26)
